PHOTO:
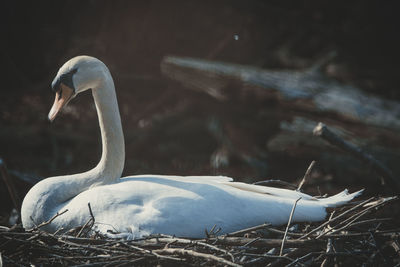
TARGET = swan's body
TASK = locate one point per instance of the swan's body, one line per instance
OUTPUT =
(146, 204)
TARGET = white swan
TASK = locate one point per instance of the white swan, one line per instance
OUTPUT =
(140, 205)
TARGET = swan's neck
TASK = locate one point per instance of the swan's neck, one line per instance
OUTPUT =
(51, 194)
(112, 159)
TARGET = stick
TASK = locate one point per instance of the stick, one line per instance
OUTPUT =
(322, 131)
(171, 239)
(276, 231)
(353, 218)
(288, 224)
(83, 227)
(337, 217)
(269, 256)
(192, 253)
(306, 175)
(267, 242)
(251, 242)
(328, 259)
(91, 220)
(298, 260)
(10, 185)
(293, 254)
(91, 212)
(261, 259)
(47, 222)
(254, 228)
(151, 252)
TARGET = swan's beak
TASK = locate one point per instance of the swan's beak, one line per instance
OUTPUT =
(62, 98)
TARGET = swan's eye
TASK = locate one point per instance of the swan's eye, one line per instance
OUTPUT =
(65, 78)
(60, 94)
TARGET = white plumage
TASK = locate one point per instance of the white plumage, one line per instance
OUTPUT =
(140, 205)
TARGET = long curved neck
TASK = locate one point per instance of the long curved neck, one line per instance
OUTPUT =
(49, 195)
(112, 159)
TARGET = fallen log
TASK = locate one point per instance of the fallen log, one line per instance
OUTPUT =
(308, 90)
(294, 101)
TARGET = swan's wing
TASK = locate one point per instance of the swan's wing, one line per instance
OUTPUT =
(333, 201)
(340, 198)
(279, 192)
(195, 179)
(215, 179)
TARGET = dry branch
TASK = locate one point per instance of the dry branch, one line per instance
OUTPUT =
(244, 231)
(185, 252)
(10, 185)
(308, 90)
(265, 243)
(322, 131)
(306, 175)
(296, 100)
(48, 221)
(288, 224)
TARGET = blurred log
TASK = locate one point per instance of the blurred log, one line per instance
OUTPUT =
(308, 90)
(296, 101)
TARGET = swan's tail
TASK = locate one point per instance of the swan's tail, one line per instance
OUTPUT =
(333, 201)
(315, 210)
(339, 199)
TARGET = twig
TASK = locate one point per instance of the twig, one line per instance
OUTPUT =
(84, 227)
(276, 231)
(10, 185)
(192, 253)
(91, 212)
(47, 222)
(268, 256)
(267, 242)
(329, 248)
(171, 239)
(374, 220)
(154, 253)
(91, 220)
(337, 217)
(353, 218)
(260, 258)
(288, 224)
(251, 242)
(298, 260)
(293, 254)
(250, 229)
(322, 131)
(213, 232)
(106, 263)
(216, 249)
(306, 175)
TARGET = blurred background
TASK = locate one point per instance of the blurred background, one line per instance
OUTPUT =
(172, 129)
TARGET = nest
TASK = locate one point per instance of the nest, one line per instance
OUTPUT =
(351, 235)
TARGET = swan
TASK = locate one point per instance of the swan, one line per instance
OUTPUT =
(140, 205)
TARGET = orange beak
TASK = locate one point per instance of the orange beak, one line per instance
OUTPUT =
(62, 98)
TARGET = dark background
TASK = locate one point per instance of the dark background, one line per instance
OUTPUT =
(166, 126)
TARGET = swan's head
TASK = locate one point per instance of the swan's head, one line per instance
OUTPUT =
(75, 76)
